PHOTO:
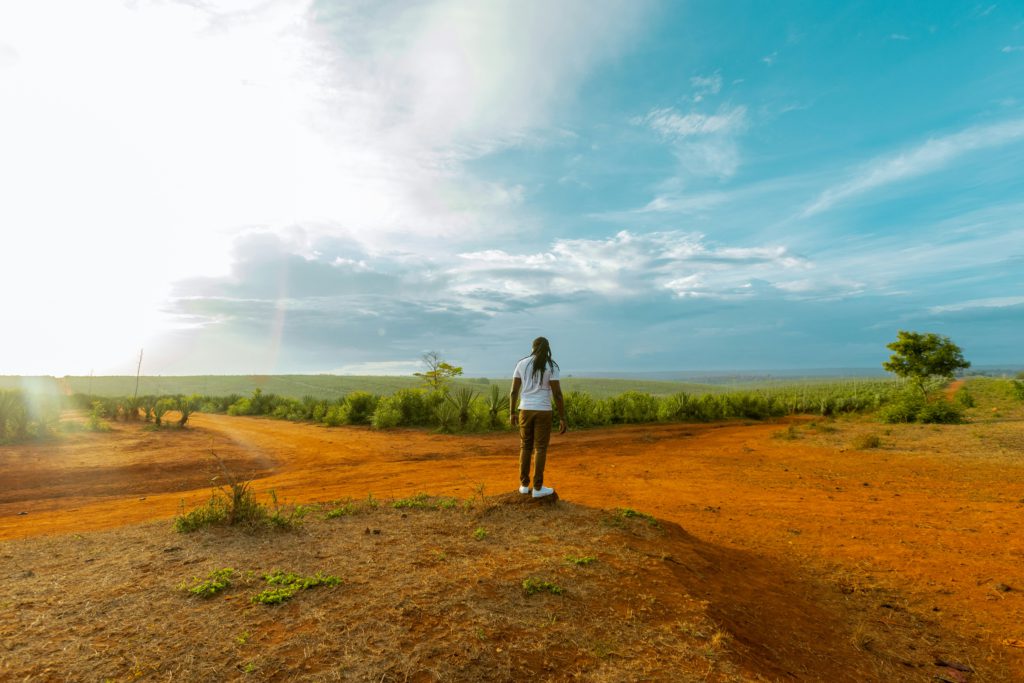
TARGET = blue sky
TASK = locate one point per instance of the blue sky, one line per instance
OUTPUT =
(341, 186)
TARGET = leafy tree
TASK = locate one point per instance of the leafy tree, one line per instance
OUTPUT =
(918, 357)
(438, 372)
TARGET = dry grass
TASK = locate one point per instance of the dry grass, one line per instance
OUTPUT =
(421, 597)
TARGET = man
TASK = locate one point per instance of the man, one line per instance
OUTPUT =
(536, 378)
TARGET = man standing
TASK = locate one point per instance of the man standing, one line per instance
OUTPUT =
(536, 378)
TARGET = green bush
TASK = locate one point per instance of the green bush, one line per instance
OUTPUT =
(905, 408)
(633, 407)
(940, 412)
(357, 408)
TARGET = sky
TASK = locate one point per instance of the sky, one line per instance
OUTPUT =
(306, 187)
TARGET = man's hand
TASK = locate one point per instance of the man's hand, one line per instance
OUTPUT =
(513, 419)
(562, 426)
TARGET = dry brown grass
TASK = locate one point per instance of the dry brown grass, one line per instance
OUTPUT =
(422, 598)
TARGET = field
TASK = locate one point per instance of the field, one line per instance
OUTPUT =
(336, 386)
(802, 548)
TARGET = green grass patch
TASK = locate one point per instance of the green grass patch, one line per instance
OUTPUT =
(630, 513)
(480, 533)
(289, 584)
(344, 510)
(216, 582)
(424, 501)
(580, 561)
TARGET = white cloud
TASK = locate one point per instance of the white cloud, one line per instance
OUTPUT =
(625, 265)
(139, 138)
(705, 144)
(991, 302)
(705, 85)
(1012, 48)
(928, 157)
(898, 36)
(387, 367)
(670, 124)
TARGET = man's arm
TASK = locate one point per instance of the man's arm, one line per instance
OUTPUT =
(513, 401)
(556, 394)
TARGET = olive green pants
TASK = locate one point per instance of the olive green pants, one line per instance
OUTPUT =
(534, 436)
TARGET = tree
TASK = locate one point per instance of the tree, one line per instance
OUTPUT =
(438, 371)
(918, 357)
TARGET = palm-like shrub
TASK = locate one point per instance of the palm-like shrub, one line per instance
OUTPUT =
(497, 406)
(462, 401)
(447, 416)
(186, 406)
(160, 409)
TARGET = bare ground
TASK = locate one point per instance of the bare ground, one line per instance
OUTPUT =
(802, 558)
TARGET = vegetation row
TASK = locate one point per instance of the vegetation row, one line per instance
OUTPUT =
(463, 409)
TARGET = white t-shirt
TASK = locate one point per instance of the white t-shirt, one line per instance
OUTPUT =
(535, 395)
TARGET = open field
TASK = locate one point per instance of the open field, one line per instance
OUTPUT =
(786, 552)
(337, 386)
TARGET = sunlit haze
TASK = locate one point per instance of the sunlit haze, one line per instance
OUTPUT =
(292, 187)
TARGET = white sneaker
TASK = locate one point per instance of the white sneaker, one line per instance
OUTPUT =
(543, 491)
(524, 489)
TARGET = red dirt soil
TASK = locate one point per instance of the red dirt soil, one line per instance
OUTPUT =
(927, 518)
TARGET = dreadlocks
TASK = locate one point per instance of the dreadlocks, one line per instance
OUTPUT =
(541, 355)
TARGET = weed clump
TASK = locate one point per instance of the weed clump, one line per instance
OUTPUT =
(235, 504)
(288, 586)
(216, 582)
(581, 561)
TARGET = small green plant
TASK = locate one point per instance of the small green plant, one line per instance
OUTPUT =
(423, 501)
(282, 517)
(341, 511)
(95, 422)
(288, 586)
(533, 585)
(420, 501)
(243, 638)
(630, 513)
(581, 561)
(218, 581)
(867, 441)
(480, 533)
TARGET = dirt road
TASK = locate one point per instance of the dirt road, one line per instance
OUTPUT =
(934, 514)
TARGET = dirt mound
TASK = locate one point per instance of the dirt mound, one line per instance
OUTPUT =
(517, 499)
(478, 590)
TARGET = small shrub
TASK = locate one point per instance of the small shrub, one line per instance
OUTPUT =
(582, 561)
(480, 533)
(218, 581)
(940, 412)
(532, 586)
(905, 408)
(867, 441)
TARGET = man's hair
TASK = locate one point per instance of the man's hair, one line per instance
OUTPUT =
(541, 355)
